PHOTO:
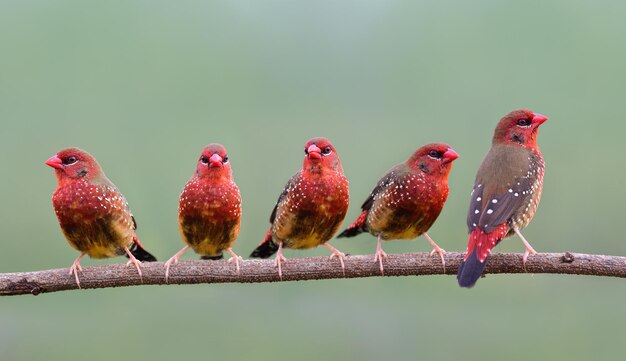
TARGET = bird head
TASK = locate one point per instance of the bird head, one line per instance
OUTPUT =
(213, 161)
(74, 163)
(435, 158)
(319, 153)
(519, 127)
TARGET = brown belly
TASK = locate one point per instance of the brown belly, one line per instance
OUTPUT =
(209, 238)
(99, 238)
(305, 230)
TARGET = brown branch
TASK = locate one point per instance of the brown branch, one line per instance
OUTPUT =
(300, 269)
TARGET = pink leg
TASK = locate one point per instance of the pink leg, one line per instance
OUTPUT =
(379, 255)
(279, 259)
(77, 268)
(338, 254)
(173, 261)
(134, 261)
(233, 256)
(436, 249)
(529, 249)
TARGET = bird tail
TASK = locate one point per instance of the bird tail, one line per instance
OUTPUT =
(213, 258)
(479, 247)
(357, 227)
(470, 271)
(137, 250)
(266, 248)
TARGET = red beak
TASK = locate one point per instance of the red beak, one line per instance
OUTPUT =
(55, 162)
(450, 155)
(215, 160)
(539, 118)
(314, 152)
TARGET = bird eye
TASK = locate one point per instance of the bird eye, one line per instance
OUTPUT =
(327, 150)
(225, 159)
(524, 122)
(306, 151)
(435, 154)
(70, 160)
(204, 160)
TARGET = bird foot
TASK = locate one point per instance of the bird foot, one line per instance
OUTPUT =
(137, 263)
(378, 257)
(278, 262)
(441, 252)
(173, 261)
(339, 255)
(236, 259)
(529, 251)
(437, 249)
(76, 268)
(168, 264)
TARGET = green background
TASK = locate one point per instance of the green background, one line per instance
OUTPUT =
(144, 85)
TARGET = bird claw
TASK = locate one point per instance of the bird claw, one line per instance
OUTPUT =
(379, 255)
(75, 268)
(437, 249)
(529, 249)
(338, 254)
(528, 252)
(168, 264)
(236, 259)
(173, 261)
(278, 262)
(137, 263)
(441, 252)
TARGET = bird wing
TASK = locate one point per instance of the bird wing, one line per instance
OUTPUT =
(490, 209)
(503, 187)
(290, 185)
(382, 184)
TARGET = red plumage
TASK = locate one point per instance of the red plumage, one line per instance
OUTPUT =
(357, 226)
(407, 199)
(94, 216)
(506, 192)
(484, 242)
(209, 212)
(311, 206)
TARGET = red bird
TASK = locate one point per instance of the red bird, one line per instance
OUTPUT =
(407, 199)
(93, 214)
(311, 207)
(209, 212)
(506, 192)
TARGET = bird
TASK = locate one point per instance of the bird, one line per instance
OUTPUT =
(209, 211)
(311, 207)
(506, 192)
(407, 200)
(94, 216)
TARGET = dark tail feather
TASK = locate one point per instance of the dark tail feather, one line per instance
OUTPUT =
(470, 270)
(140, 253)
(213, 258)
(266, 248)
(355, 228)
(350, 232)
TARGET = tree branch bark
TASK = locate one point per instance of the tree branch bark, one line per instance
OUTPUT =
(301, 269)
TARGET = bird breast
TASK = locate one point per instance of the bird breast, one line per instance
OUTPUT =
(94, 218)
(407, 207)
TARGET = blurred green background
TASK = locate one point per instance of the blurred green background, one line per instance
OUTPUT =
(144, 85)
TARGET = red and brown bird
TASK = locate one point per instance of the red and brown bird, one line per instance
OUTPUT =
(209, 211)
(93, 214)
(311, 207)
(407, 199)
(506, 192)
